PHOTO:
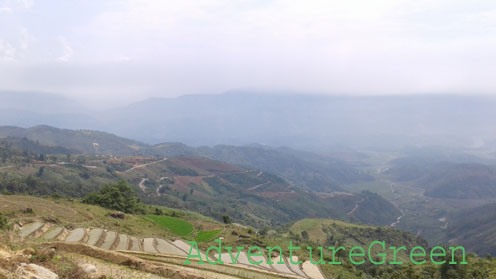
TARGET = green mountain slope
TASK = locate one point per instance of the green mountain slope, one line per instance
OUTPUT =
(215, 188)
(475, 228)
(305, 170)
(444, 179)
(332, 232)
(175, 226)
(84, 141)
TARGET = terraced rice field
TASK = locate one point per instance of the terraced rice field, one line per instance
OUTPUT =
(204, 236)
(109, 240)
(170, 252)
(93, 236)
(165, 247)
(30, 228)
(175, 225)
(52, 233)
(76, 235)
(122, 242)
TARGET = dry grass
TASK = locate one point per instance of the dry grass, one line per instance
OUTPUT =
(14, 205)
(62, 265)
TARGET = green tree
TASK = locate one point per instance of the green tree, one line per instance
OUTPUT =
(41, 170)
(158, 211)
(226, 219)
(119, 196)
(264, 231)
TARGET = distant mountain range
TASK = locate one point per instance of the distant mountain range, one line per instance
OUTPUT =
(300, 121)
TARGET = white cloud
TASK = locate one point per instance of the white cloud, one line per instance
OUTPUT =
(5, 10)
(25, 38)
(485, 19)
(10, 4)
(195, 46)
(7, 51)
(321, 45)
(27, 4)
(124, 59)
(67, 50)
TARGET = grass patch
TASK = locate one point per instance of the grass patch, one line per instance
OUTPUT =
(205, 236)
(175, 225)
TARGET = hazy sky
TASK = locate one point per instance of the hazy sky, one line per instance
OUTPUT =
(128, 50)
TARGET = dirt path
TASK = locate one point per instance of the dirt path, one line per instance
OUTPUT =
(258, 186)
(90, 167)
(142, 184)
(398, 220)
(158, 189)
(357, 205)
(144, 165)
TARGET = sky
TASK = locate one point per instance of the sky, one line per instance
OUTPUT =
(120, 51)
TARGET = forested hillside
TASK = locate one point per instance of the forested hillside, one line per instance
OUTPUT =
(247, 196)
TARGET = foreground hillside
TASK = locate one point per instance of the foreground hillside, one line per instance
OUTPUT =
(53, 232)
(66, 236)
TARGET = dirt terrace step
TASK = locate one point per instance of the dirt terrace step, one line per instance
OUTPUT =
(28, 229)
(135, 245)
(109, 240)
(94, 236)
(76, 235)
(52, 233)
(165, 247)
(123, 242)
(149, 245)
